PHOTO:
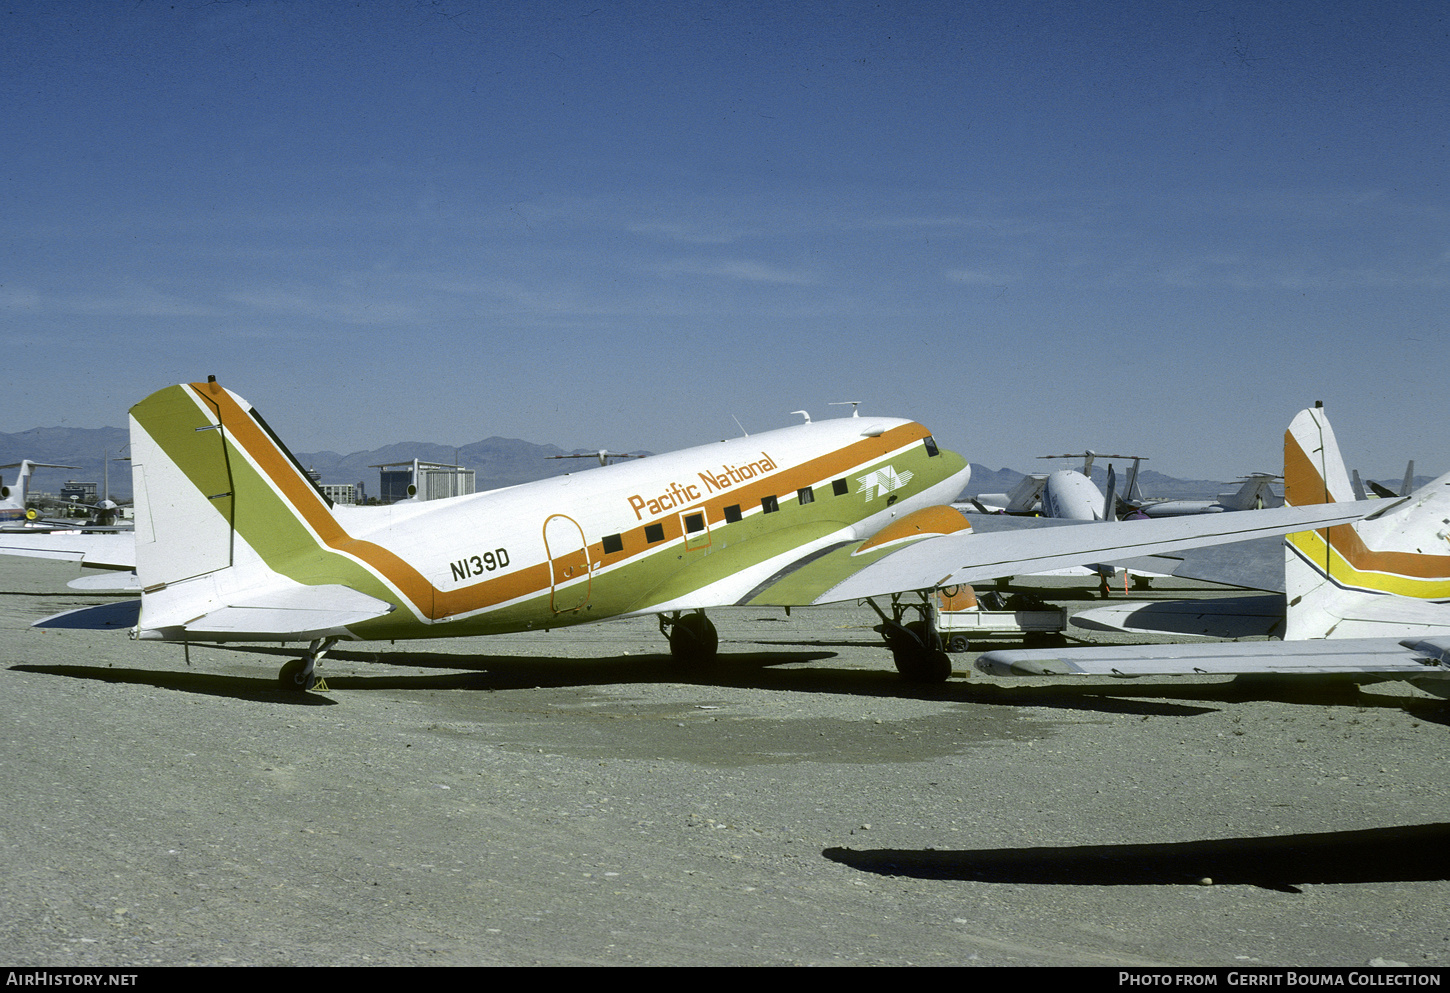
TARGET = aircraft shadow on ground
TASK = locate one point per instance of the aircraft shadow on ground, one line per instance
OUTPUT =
(803, 671)
(187, 681)
(1302, 690)
(799, 671)
(1416, 853)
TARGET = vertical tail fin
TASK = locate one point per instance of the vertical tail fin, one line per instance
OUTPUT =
(221, 506)
(207, 471)
(12, 498)
(1338, 577)
(1314, 473)
(234, 541)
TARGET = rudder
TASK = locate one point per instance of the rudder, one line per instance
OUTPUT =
(206, 469)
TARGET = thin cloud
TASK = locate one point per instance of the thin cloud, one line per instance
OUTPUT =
(741, 270)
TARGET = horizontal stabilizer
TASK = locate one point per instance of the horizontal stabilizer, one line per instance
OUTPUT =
(1254, 565)
(101, 617)
(110, 581)
(1371, 656)
(298, 613)
(113, 550)
(1223, 617)
(1435, 648)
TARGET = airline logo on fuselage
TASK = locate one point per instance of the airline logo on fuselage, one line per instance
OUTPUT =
(682, 494)
(880, 482)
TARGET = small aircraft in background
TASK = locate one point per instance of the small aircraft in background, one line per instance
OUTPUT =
(14, 515)
(604, 455)
(106, 512)
(234, 542)
(1067, 494)
(1369, 599)
(1380, 490)
(1255, 493)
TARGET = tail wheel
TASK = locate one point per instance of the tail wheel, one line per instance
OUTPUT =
(300, 675)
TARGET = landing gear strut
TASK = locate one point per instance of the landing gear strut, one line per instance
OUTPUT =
(916, 647)
(692, 637)
(300, 675)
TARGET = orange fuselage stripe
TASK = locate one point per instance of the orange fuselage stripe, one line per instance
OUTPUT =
(1304, 485)
(434, 603)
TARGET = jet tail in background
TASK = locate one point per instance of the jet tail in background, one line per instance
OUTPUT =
(12, 498)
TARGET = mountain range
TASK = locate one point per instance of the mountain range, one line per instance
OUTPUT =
(496, 462)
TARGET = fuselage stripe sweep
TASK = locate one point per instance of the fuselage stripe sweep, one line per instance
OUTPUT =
(432, 603)
(1341, 545)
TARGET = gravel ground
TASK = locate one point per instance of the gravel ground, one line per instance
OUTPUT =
(575, 798)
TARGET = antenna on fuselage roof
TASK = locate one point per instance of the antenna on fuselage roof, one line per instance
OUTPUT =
(803, 414)
(740, 426)
(855, 405)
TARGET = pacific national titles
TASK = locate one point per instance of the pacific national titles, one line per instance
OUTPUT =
(682, 494)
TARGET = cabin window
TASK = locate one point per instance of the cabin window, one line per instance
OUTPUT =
(805, 496)
(732, 513)
(930, 444)
(840, 487)
(694, 523)
(769, 504)
(654, 533)
(613, 543)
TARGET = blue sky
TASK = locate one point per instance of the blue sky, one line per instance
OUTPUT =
(1156, 228)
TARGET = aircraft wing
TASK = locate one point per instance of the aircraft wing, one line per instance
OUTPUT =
(98, 550)
(1218, 617)
(1376, 656)
(1254, 565)
(925, 562)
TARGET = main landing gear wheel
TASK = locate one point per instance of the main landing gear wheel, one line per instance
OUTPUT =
(918, 654)
(693, 639)
(917, 647)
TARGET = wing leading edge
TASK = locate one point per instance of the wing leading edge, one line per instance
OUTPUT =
(1373, 656)
(930, 561)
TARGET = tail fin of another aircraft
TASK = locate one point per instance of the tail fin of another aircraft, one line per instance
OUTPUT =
(1365, 579)
(12, 498)
(232, 537)
(1257, 492)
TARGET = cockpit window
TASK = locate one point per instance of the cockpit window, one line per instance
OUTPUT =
(930, 444)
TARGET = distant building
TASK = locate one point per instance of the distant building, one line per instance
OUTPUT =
(426, 480)
(79, 492)
(339, 493)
